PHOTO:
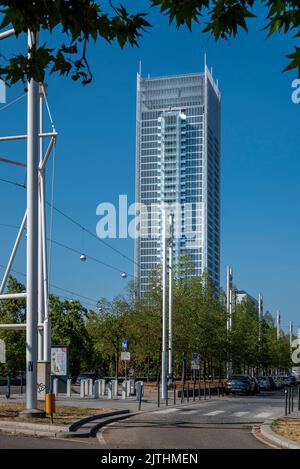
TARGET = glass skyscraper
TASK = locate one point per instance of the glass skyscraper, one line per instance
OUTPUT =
(178, 167)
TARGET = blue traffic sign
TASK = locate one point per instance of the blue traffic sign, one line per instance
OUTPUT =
(124, 345)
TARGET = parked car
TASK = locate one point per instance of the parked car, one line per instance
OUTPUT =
(278, 381)
(287, 380)
(264, 383)
(89, 375)
(241, 384)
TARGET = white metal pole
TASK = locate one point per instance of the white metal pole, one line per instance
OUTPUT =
(32, 237)
(291, 333)
(260, 314)
(278, 324)
(229, 312)
(164, 307)
(41, 302)
(171, 299)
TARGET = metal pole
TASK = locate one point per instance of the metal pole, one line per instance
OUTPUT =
(291, 332)
(41, 302)
(286, 402)
(32, 237)
(229, 312)
(278, 324)
(171, 299)
(164, 306)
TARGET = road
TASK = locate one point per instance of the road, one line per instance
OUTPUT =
(224, 423)
(216, 423)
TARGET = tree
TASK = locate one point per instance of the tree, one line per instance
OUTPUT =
(13, 312)
(80, 21)
(69, 328)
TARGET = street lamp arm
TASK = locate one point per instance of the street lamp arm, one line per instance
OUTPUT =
(6, 34)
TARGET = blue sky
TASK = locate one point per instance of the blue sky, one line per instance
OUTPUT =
(96, 158)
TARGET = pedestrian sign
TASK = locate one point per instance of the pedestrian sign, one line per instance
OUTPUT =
(195, 362)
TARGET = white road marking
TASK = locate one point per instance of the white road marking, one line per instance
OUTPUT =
(240, 414)
(216, 412)
(165, 411)
(263, 415)
(189, 412)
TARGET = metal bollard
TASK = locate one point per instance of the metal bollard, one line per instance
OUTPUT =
(194, 384)
(204, 390)
(55, 386)
(286, 402)
(124, 389)
(188, 392)
(82, 385)
(199, 390)
(289, 394)
(292, 392)
(218, 389)
(167, 395)
(182, 393)
(158, 394)
(298, 397)
(209, 391)
(96, 389)
(115, 388)
(109, 390)
(174, 387)
(68, 388)
(7, 386)
(90, 386)
(86, 387)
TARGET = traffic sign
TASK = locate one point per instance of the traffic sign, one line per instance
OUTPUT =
(195, 363)
(125, 356)
(124, 345)
(2, 351)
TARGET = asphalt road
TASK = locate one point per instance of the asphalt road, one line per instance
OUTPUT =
(224, 423)
(216, 423)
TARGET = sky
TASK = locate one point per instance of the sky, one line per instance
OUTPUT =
(95, 159)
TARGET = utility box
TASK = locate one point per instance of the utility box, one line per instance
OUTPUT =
(43, 379)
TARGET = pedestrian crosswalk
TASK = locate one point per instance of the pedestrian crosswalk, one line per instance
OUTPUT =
(254, 415)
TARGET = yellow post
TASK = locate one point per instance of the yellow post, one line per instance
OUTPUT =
(50, 405)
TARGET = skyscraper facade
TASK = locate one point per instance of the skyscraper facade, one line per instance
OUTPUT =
(178, 169)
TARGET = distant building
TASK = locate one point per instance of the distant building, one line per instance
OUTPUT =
(242, 296)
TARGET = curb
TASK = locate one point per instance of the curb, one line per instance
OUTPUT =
(55, 431)
(280, 441)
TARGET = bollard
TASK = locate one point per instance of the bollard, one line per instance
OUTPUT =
(8, 386)
(68, 388)
(286, 402)
(21, 384)
(204, 391)
(182, 393)
(199, 390)
(109, 390)
(292, 392)
(96, 389)
(82, 385)
(115, 388)
(86, 387)
(158, 394)
(132, 387)
(140, 395)
(289, 394)
(90, 386)
(103, 387)
(298, 397)
(167, 395)
(218, 390)
(194, 384)
(174, 387)
(124, 389)
(55, 386)
(209, 391)
(128, 388)
(188, 392)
